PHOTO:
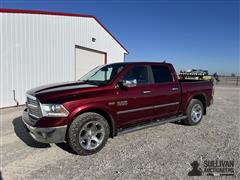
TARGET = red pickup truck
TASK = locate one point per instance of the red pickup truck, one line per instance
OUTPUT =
(113, 99)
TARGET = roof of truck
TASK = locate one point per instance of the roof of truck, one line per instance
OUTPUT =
(144, 62)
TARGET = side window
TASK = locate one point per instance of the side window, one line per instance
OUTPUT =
(162, 74)
(136, 75)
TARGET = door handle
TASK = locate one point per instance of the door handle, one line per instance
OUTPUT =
(175, 89)
(146, 92)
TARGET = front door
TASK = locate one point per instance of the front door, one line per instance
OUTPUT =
(135, 104)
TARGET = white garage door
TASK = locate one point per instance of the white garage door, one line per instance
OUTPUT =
(86, 60)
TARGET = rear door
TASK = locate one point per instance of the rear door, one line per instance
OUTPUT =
(135, 103)
(166, 93)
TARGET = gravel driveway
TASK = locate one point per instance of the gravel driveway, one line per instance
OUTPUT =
(162, 152)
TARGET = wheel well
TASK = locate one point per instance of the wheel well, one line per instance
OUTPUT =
(109, 119)
(203, 100)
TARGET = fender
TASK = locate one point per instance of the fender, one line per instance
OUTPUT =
(184, 109)
(103, 110)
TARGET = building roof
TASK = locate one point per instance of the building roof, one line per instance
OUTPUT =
(61, 14)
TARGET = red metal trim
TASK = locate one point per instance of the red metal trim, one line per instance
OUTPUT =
(61, 14)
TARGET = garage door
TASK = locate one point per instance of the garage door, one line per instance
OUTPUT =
(86, 60)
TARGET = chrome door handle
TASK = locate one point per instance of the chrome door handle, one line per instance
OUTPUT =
(146, 92)
(174, 89)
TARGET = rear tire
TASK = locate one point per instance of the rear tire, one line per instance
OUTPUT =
(194, 112)
(88, 133)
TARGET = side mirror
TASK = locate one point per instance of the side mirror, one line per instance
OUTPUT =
(121, 85)
(130, 82)
(125, 84)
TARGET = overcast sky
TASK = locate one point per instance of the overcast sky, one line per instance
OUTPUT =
(189, 34)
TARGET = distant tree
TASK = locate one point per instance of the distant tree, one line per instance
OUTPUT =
(233, 75)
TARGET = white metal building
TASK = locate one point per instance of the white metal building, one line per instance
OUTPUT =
(44, 47)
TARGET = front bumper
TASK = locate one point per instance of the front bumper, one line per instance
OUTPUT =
(45, 135)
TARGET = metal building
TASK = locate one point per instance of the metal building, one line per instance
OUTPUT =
(45, 47)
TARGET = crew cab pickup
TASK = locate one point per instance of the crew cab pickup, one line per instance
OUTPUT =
(113, 99)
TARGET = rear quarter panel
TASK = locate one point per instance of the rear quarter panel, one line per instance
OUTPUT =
(192, 89)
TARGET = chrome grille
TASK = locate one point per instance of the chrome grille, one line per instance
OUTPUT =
(32, 102)
(33, 105)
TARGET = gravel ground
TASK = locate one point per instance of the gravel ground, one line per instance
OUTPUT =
(162, 152)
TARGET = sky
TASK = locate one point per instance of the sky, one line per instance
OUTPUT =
(199, 34)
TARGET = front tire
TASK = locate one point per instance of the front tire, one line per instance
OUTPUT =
(194, 112)
(88, 133)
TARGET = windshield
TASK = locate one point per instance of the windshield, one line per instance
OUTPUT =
(103, 74)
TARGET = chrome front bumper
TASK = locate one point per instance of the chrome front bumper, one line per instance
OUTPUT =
(45, 135)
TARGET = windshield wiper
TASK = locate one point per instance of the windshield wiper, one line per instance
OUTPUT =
(89, 81)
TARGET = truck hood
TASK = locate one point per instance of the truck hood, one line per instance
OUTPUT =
(59, 90)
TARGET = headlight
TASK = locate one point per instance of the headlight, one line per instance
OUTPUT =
(54, 110)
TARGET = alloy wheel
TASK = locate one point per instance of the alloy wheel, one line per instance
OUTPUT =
(91, 135)
(196, 113)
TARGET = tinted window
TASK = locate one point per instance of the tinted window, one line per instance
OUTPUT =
(161, 74)
(138, 74)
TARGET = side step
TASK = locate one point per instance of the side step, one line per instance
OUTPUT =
(149, 124)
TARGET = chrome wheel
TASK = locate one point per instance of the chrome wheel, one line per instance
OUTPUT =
(91, 135)
(196, 113)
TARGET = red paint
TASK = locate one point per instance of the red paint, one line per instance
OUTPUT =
(79, 100)
(61, 14)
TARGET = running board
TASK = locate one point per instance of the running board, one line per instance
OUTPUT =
(149, 124)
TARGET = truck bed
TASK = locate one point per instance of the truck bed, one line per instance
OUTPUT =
(191, 88)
